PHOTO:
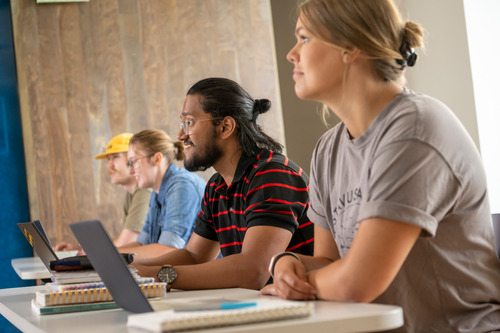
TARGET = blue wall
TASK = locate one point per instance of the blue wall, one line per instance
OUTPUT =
(13, 192)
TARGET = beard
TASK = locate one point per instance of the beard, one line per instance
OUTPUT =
(204, 157)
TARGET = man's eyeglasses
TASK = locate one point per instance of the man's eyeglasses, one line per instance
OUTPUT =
(131, 163)
(187, 123)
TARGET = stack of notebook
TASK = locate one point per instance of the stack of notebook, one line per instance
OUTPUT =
(80, 290)
(75, 285)
(59, 298)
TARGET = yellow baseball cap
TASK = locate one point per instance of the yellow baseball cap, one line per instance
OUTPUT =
(117, 144)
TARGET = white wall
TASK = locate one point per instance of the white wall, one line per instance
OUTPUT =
(443, 67)
(483, 30)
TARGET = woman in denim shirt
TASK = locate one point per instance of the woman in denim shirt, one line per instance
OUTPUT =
(176, 196)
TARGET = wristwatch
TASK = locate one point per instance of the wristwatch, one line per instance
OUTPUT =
(167, 274)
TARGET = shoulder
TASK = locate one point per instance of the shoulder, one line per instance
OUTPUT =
(141, 192)
(180, 175)
(275, 165)
(214, 182)
(419, 101)
(331, 135)
(268, 159)
(418, 119)
(417, 112)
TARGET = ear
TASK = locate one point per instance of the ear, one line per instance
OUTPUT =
(157, 158)
(350, 54)
(227, 127)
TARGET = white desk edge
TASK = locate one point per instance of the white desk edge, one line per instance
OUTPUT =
(30, 268)
(328, 316)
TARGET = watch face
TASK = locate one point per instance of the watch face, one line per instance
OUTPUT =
(167, 274)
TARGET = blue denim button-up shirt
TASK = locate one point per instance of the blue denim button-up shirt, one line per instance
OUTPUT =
(173, 210)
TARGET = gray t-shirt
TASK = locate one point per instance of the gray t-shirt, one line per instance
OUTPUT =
(416, 164)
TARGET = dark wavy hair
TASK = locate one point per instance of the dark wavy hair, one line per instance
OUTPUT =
(222, 97)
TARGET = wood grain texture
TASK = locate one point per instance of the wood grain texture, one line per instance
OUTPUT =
(89, 71)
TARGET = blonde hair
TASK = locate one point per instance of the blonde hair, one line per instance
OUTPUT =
(373, 26)
(154, 141)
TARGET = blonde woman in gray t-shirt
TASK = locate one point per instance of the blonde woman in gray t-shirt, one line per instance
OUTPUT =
(397, 190)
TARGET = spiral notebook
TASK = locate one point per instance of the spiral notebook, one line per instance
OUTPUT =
(265, 310)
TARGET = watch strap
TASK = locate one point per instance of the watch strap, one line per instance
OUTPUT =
(276, 257)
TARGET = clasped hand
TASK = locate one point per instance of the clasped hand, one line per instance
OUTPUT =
(290, 281)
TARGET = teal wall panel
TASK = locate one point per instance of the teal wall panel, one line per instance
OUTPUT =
(13, 190)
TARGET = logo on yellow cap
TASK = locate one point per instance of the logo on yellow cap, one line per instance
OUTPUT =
(117, 144)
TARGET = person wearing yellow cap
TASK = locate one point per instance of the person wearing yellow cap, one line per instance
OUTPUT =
(136, 201)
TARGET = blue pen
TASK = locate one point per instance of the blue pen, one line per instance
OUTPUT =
(236, 305)
(217, 306)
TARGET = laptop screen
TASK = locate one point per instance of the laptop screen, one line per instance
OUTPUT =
(38, 241)
(111, 266)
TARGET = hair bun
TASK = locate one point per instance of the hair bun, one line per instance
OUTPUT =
(261, 106)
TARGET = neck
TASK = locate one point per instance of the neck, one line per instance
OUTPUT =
(226, 165)
(162, 170)
(359, 106)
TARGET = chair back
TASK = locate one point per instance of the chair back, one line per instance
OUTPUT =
(496, 229)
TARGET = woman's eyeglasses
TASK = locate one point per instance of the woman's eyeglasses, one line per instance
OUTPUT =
(132, 162)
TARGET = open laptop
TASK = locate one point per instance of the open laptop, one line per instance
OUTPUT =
(36, 236)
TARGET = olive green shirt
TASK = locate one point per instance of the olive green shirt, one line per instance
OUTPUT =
(136, 208)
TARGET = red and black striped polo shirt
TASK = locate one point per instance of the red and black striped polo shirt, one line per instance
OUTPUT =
(267, 189)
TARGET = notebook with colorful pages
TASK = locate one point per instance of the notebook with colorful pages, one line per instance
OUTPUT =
(126, 293)
(46, 297)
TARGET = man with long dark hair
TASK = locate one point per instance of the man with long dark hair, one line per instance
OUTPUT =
(253, 207)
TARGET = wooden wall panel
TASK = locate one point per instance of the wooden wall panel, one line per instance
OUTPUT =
(88, 71)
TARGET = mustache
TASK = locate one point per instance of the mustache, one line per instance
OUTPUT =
(111, 171)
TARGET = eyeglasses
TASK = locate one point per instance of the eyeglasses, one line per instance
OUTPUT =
(187, 123)
(131, 163)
